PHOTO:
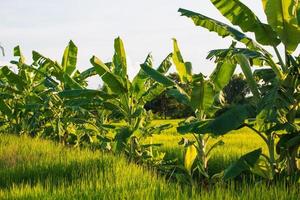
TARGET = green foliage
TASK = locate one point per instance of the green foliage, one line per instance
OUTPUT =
(184, 69)
(45, 99)
(129, 98)
(51, 100)
(220, 28)
(282, 17)
(189, 157)
(107, 76)
(69, 59)
(202, 95)
(244, 63)
(243, 163)
(222, 74)
(275, 89)
(41, 169)
(239, 14)
(230, 120)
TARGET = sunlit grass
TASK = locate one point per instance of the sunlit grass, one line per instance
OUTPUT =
(40, 169)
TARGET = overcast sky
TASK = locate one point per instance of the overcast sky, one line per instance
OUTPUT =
(144, 26)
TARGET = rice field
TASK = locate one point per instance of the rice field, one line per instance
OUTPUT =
(40, 169)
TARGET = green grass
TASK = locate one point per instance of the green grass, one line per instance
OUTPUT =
(36, 169)
(39, 169)
(236, 144)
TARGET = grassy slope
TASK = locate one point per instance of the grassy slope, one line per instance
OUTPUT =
(41, 169)
(36, 169)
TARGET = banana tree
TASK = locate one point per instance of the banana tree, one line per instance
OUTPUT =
(204, 96)
(130, 98)
(80, 106)
(275, 102)
(50, 100)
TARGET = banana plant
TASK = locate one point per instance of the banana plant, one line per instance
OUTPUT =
(204, 96)
(50, 100)
(130, 97)
(275, 102)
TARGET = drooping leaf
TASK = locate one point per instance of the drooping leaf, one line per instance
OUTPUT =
(69, 59)
(184, 71)
(110, 79)
(190, 157)
(282, 16)
(220, 28)
(245, 162)
(239, 14)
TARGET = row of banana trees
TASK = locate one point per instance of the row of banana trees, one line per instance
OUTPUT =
(50, 99)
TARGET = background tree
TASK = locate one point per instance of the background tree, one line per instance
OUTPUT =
(236, 90)
(167, 106)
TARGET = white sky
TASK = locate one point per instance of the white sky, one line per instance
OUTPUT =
(144, 26)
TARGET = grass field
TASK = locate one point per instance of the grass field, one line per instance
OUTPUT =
(39, 169)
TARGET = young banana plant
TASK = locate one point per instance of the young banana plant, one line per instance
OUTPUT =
(276, 101)
(202, 95)
(129, 97)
